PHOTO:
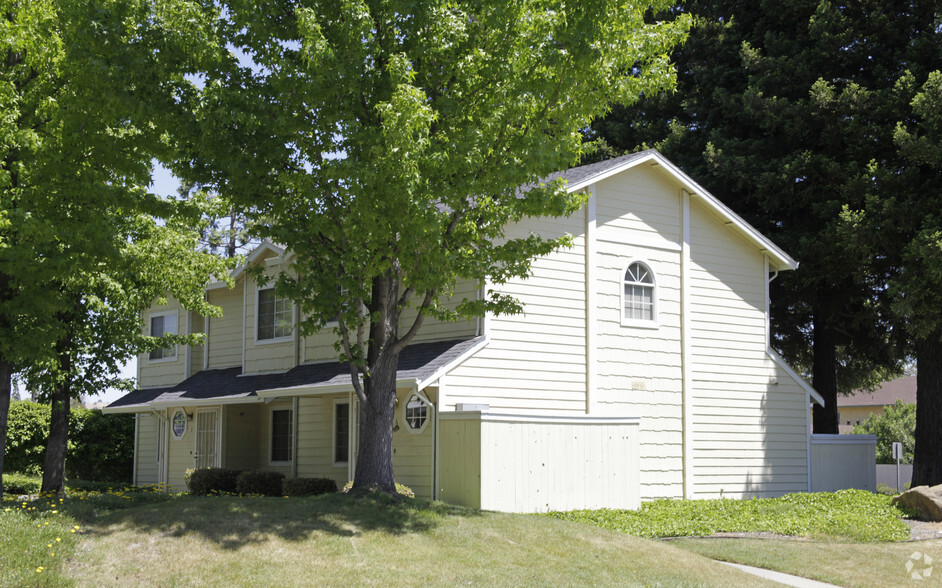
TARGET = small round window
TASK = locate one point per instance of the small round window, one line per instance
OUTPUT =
(416, 413)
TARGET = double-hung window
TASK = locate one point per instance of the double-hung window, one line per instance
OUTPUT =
(282, 435)
(274, 315)
(163, 324)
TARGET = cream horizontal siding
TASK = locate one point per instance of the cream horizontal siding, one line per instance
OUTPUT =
(435, 330)
(225, 342)
(146, 454)
(535, 361)
(316, 439)
(197, 325)
(265, 355)
(748, 416)
(639, 369)
(242, 440)
(164, 371)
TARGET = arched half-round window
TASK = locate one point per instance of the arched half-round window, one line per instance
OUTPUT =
(639, 298)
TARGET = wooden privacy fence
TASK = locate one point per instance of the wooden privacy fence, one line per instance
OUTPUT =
(843, 461)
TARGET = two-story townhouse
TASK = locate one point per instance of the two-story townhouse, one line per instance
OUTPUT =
(641, 368)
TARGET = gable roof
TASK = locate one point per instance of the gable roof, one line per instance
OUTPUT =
(886, 395)
(418, 364)
(583, 176)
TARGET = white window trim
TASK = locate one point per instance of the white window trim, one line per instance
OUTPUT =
(283, 339)
(333, 436)
(428, 415)
(638, 323)
(271, 433)
(176, 321)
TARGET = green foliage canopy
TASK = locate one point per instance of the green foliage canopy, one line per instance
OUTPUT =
(388, 144)
(896, 424)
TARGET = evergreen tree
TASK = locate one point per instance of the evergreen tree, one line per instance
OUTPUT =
(781, 107)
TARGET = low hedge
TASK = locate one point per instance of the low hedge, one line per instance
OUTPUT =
(205, 481)
(308, 486)
(264, 483)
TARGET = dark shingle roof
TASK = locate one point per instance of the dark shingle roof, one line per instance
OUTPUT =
(419, 361)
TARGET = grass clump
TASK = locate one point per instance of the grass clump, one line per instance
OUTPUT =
(856, 515)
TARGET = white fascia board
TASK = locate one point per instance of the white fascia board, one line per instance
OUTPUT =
(532, 418)
(205, 402)
(131, 408)
(794, 375)
(321, 390)
(421, 385)
(782, 260)
(255, 254)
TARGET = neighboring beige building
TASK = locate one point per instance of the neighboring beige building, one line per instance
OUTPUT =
(857, 407)
(640, 369)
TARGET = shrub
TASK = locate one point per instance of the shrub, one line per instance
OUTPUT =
(205, 481)
(264, 483)
(14, 483)
(897, 423)
(101, 447)
(308, 486)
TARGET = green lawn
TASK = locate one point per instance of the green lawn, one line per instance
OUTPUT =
(145, 538)
(130, 539)
(841, 563)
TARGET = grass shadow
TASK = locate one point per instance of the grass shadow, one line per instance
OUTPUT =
(232, 522)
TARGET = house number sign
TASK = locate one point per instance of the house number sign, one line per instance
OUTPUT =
(178, 424)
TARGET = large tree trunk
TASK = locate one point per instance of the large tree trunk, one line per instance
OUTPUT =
(54, 468)
(824, 374)
(927, 456)
(377, 414)
(61, 400)
(6, 377)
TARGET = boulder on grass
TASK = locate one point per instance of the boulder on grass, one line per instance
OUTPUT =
(925, 500)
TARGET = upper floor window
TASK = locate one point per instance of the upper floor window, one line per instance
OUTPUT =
(163, 324)
(639, 297)
(274, 315)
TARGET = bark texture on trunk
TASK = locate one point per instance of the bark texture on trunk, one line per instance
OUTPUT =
(57, 445)
(378, 407)
(824, 376)
(927, 456)
(6, 377)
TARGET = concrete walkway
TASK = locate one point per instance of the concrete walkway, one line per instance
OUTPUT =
(787, 579)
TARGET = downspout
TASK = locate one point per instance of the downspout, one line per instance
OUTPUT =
(590, 302)
(686, 351)
(244, 288)
(206, 338)
(134, 468)
(295, 403)
(188, 354)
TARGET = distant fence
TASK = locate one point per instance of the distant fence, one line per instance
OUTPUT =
(843, 461)
(886, 474)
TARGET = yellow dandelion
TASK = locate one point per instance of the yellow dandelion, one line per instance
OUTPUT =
(47, 522)
(48, 544)
(53, 554)
(55, 512)
(72, 531)
(58, 539)
(39, 569)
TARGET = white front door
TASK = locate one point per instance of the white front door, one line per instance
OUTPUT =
(207, 439)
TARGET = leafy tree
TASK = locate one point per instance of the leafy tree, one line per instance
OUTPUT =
(781, 108)
(88, 93)
(386, 144)
(896, 424)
